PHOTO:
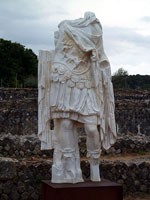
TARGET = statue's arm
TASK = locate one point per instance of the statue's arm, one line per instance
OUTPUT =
(104, 63)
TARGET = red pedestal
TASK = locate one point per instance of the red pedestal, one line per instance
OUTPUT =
(104, 190)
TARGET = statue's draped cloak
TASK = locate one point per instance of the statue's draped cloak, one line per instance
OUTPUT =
(44, 69)
(87, 37)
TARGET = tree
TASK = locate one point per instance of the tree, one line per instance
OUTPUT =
(121, 72)
(17, 64)
(119, 79)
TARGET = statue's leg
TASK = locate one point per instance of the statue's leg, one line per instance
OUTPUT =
(77, 156)
(67, 147)
(57, 167)
(93, 150)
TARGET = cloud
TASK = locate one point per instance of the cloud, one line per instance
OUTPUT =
(32, 23)
(128, 49)
(127, 35)
(140, 68)
(145, 19)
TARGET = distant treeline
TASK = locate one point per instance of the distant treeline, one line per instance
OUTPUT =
(131, 82)
(18, 69)
(18, 65)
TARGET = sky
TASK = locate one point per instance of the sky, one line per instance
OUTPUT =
(126, 27)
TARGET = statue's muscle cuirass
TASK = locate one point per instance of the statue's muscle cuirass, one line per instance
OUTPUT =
(72, 88)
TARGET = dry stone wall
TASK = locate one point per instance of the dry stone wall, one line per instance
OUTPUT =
(29, 146)
(133, 111)
(23, 165)
(21, 179)
(18, 111)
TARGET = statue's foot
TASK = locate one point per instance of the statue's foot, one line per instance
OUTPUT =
(79, 176)
(66, 173)
(57, 174)
(72, 173)
(95, 173)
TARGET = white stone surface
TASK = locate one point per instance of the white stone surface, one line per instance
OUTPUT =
(75, 89)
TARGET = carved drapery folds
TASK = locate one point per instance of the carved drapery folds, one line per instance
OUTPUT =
(75, 84)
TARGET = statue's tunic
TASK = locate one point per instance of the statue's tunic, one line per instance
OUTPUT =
(80, 86)
(73, 90)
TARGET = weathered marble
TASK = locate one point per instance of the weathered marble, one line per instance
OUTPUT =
(75, 90)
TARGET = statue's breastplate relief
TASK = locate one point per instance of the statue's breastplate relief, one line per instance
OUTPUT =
(71, 64)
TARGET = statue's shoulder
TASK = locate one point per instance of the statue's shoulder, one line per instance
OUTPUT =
(62, 23)
(97, 25)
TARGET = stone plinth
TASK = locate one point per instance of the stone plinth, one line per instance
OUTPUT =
(87, 190)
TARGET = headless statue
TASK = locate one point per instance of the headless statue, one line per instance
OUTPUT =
(79, 93)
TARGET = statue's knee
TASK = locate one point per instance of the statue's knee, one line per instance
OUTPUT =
(91, 130)
(67, 124)
(68, 152)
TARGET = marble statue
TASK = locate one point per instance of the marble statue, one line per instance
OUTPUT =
(75, 90)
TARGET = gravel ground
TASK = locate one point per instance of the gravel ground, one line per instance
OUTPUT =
(137, 197)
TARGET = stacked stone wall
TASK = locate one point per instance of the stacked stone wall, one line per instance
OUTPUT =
(21, 179)
(133, 111)
(29, 146)
(18, 111)
(23, 165)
